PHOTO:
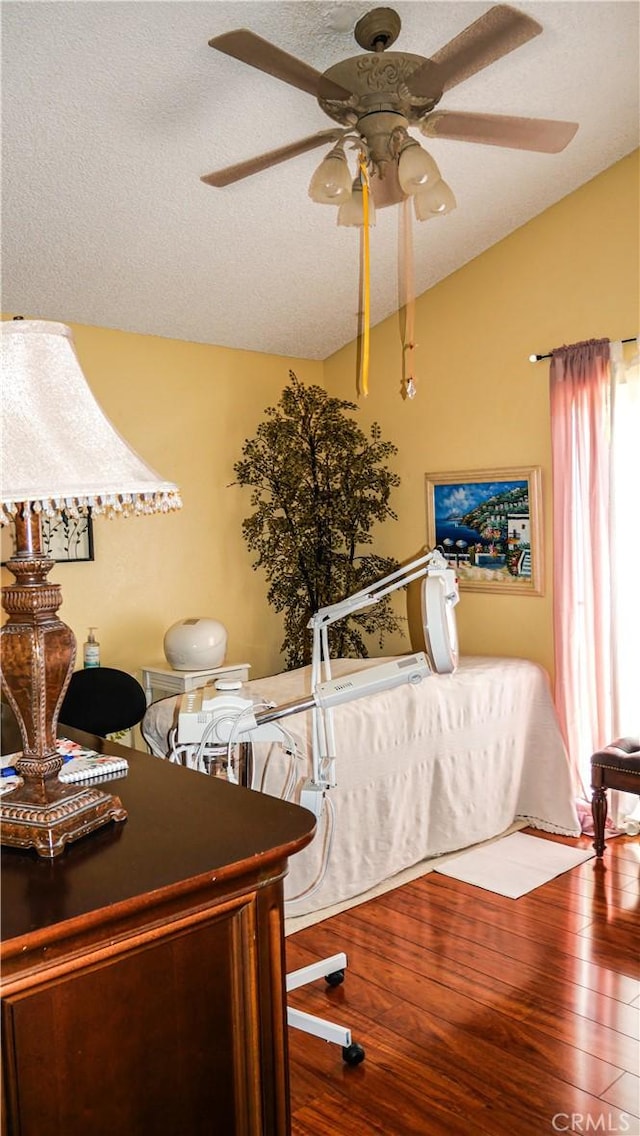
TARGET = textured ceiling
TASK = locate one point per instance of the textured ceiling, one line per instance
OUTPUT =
(111, 111)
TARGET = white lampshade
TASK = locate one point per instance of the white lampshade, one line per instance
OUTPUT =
(351, 212)
(60, 451)
(416, 168)
(435, 201)
(331, 182)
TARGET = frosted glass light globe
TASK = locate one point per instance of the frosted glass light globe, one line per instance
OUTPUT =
(331, 182)
(195, 644)
(416, 168)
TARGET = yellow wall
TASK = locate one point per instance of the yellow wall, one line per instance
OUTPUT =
(186, 408)
(570, 274)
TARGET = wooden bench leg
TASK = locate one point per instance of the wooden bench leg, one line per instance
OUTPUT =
(599, 813)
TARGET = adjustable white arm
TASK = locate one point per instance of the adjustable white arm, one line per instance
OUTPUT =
(433, 561)
(411, 669)
(323, 741)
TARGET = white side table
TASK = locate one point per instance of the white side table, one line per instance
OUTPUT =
(161, 681)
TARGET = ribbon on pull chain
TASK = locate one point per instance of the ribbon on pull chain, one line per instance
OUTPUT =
(409, 345)
(366, 291)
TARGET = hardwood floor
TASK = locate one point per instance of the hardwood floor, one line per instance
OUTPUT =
(480, 1015)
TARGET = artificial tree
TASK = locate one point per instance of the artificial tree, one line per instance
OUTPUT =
(318, 486)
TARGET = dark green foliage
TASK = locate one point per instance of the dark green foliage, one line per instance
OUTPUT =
(317, 487)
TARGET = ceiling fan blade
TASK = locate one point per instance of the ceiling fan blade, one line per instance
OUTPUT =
(426, 81)
(546, 135)
(249, 48)
(254, 165)
(488, 39)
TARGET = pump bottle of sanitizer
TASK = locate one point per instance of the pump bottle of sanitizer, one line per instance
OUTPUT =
(91, 650)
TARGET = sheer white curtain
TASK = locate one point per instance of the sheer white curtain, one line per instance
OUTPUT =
(625, 527)
(595, 429)
(625, 582)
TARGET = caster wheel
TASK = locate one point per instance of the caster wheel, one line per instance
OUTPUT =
(353, 1054)
(335, 979)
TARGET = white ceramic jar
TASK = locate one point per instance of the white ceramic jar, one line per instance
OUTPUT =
(195, 644)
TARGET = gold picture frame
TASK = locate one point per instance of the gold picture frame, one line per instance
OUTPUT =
(487, 522)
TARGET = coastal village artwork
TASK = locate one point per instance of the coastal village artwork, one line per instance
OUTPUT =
(487, 524)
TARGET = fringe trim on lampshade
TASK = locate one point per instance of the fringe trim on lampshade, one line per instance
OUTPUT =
(108, 505)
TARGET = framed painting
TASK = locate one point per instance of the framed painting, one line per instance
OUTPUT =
(65, 539)
(487, 523)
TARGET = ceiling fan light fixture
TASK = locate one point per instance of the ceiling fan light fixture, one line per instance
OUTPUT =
(417, 170)
(351, 212)
(435, 201)
(331, 182)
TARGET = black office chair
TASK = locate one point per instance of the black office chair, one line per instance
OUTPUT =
(103, 701)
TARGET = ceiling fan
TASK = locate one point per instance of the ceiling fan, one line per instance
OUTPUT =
(375, 97)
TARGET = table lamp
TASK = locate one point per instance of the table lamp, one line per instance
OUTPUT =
(60, 453)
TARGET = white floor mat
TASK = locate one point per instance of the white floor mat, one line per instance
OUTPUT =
(514, 865)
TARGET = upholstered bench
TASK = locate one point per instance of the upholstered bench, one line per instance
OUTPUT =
(617, 766)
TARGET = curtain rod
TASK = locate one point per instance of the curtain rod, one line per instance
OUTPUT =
(537, 358)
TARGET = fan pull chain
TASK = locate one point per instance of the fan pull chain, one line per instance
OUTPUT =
(366, 297)
(409, 345)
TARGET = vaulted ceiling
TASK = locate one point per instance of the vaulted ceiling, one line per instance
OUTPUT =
(112, 111)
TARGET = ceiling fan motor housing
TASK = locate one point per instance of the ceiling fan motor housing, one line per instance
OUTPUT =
(378, 82)
(384, 132)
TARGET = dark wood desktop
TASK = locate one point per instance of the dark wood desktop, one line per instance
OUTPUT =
(143, 969)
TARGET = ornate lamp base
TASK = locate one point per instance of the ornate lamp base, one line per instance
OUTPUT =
(48, 815)
(38, 653)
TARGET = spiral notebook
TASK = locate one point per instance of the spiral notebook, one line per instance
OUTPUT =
(80, 764)
(87, 765)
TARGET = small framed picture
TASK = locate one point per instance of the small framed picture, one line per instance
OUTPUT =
(65, 539)
(488, 524)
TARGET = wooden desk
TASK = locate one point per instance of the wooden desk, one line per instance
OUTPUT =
(143, 971)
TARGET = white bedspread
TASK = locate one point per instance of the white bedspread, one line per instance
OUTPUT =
(421, 770)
